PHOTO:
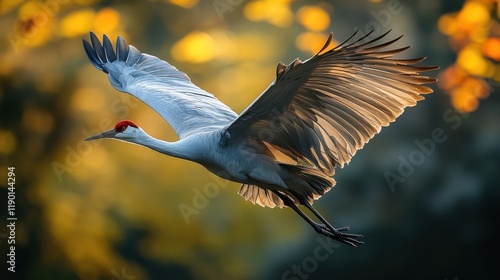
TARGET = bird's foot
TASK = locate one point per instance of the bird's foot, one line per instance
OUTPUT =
(340, 234)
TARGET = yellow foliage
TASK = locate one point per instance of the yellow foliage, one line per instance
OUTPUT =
(87, 99)
(447, 24)
(77, 23)
(471, 60)
(472, 14)
(196, 47)
(85, 2)
(184, 3)
(33, 24)
(491, 48)
(254, 47)
(8, 140)
(37, 120)
(100, 161)
(465, 90)
(106, 20)
(464, 100)
(256, 11)
(277, 13)
(470, 30)
(310, 41)
(451, 77)
(29, 9)
(7, 5)
(313, 18)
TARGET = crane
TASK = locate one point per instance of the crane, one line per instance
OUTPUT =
(284, 147)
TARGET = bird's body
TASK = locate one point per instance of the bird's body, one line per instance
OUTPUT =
(235, 162)
(226, 161)
(285, 146)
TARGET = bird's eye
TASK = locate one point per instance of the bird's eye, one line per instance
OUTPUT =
(122, 128)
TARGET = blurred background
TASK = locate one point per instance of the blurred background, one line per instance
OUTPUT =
(110, 210)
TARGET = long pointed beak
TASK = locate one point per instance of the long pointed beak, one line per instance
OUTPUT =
(106, 134)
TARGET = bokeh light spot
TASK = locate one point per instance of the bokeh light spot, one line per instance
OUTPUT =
(37, 120)
(196, 47)
(8, 141)
(277, 13)
(313, 18)
(471, 60)
(87, 99)
(187, 4)
(310, 41)
(7, 6)
(254, 10)
(77, 23)
(106, 20)
(447, 24)
(491, 48)
(464, 100)
(33, 24)
(473, 13)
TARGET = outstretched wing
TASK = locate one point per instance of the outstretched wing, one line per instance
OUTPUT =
(321, 111)
(186, 107)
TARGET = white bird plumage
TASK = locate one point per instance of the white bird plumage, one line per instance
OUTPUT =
(285, 146)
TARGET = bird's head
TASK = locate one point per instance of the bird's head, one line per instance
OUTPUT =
(124, 130)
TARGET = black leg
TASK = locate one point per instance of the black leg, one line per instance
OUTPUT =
(324, 229)
(340, 231)
(288, 202)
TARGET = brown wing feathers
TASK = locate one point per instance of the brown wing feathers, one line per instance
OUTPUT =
(330, 105)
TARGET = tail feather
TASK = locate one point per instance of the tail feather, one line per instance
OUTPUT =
(260, 196)
(309, 182)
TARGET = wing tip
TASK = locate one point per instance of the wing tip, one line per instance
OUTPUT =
(108, 49)
(92, 55)
(327, 43)
(100, 54)
(122, 49)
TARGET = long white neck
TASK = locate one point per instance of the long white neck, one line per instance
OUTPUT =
(179, 149)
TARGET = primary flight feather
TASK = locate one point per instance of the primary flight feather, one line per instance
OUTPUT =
(285, 146)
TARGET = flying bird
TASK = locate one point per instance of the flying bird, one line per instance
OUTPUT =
(285, 146)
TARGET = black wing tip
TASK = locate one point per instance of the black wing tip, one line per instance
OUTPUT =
(92, 55)
(93, 36)
(108, 49)
(122, 49)
(101, 54)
